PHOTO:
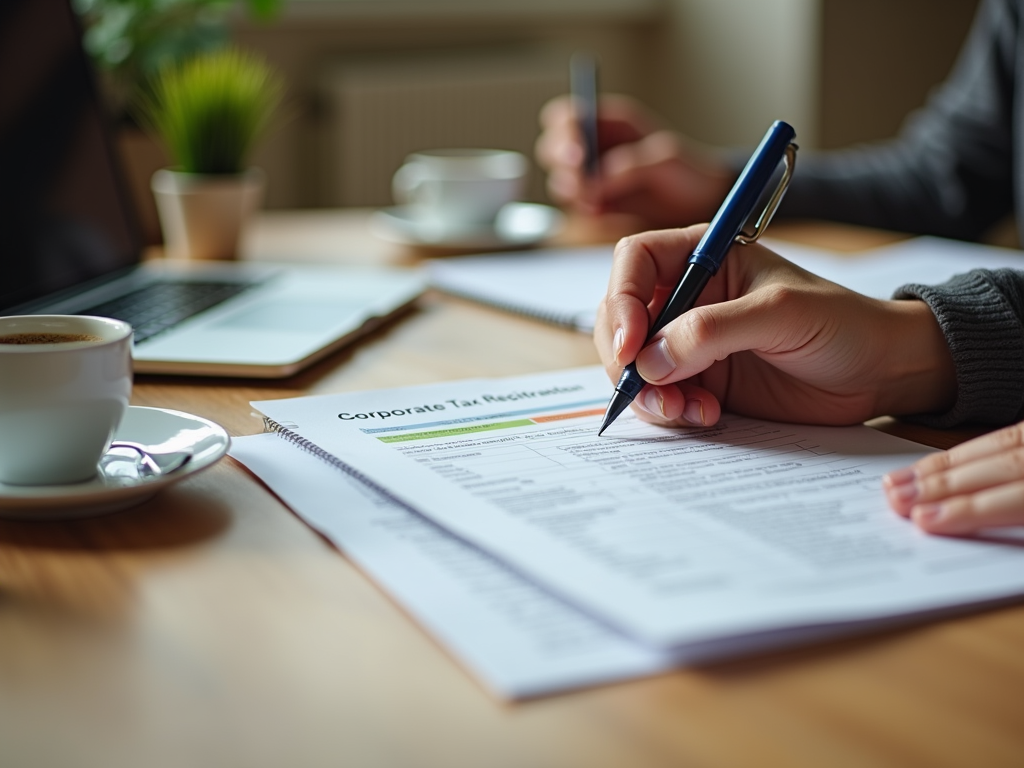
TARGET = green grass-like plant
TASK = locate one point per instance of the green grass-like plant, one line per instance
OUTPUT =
(131, 40)
(212, 109)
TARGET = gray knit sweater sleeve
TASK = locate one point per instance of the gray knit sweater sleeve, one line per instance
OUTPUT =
(955, 169)
(981, 315)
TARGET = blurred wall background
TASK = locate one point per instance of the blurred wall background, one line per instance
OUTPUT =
(371, 80)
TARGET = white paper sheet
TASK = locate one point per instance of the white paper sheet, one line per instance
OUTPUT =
(560, 285)
(677, 537)
(879, 272)
(518, 639)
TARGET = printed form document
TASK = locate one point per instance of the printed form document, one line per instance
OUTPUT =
(674, 537)
(517, 638)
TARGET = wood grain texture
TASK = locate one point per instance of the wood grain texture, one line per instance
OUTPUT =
(209, 627)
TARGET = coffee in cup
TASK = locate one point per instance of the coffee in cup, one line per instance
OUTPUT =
(47, 338)
(459, 190)
(65, 383)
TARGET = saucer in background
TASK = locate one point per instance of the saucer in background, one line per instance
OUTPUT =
(517, 225)
(108, 492)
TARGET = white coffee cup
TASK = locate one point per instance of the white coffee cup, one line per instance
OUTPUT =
(459, 189)
(65, 382)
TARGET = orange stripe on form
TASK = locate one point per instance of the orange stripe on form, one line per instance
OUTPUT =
(561, 416)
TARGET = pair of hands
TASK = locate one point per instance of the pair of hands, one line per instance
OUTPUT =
(770, 340)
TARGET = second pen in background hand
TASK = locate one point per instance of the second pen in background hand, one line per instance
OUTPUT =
(725, 229)
(583, 81)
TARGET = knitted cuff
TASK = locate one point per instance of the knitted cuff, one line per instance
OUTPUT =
(986, 338)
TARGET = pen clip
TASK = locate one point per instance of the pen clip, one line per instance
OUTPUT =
(773, 203)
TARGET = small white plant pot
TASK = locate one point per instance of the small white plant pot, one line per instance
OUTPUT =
(201, 216)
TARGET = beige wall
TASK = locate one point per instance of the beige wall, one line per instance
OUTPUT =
(314, 33)
(721, 70)
(841, 71)
(733, 66)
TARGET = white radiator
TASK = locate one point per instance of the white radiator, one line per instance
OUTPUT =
(376, 110)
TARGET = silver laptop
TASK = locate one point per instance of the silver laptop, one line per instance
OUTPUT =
(69, 243)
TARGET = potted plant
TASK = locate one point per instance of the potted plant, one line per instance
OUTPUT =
(129, 41)
(209, 112)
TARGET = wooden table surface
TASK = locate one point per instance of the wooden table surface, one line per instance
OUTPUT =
(210, 627)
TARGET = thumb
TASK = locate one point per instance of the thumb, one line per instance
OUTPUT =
(764, 321)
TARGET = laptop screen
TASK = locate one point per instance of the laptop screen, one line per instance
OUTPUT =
(64, 216)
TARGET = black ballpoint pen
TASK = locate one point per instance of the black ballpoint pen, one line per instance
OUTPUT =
(725, 229)
(583, 81)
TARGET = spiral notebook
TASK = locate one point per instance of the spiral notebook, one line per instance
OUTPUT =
(562, 286)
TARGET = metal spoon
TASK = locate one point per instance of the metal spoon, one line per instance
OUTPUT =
(152, 463)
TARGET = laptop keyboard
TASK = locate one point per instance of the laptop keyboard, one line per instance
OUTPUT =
(159, 306)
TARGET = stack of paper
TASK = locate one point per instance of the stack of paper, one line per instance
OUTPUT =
(547, 558)
(520, 640)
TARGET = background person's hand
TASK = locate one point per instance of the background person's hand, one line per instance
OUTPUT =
(767, 339)
(646, 171)
(973, 486)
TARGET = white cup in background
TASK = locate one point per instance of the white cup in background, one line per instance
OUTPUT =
(459, 189)
(65, 382)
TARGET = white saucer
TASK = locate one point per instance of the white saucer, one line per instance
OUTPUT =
(518, 225)
(160, 429)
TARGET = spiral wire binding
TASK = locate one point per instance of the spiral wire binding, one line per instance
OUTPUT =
(269, 425)
(302, 443)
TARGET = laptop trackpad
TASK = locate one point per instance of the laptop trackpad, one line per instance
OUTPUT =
(285, 316)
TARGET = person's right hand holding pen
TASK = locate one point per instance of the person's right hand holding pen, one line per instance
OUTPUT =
(770, 340)
(766, 339)
(737, 220)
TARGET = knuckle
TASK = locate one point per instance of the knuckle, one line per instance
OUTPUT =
(1009, 438)
(966, 513)
(934, 463)
(668, 139)
(664, 146)
(700, 327)
(638, 243)
(959, 512)
(618, 302)
(779, 296)
(936, 486)
(626, 243)
(1017, 430)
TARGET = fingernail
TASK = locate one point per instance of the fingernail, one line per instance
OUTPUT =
(906, 493)
(898, 477)
(927, 514)
(694, 412)
(655, 362)
(654, 402)
(617, 342)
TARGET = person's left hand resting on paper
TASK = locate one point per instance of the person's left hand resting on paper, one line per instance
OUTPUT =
(976, 485)
(767, 339)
